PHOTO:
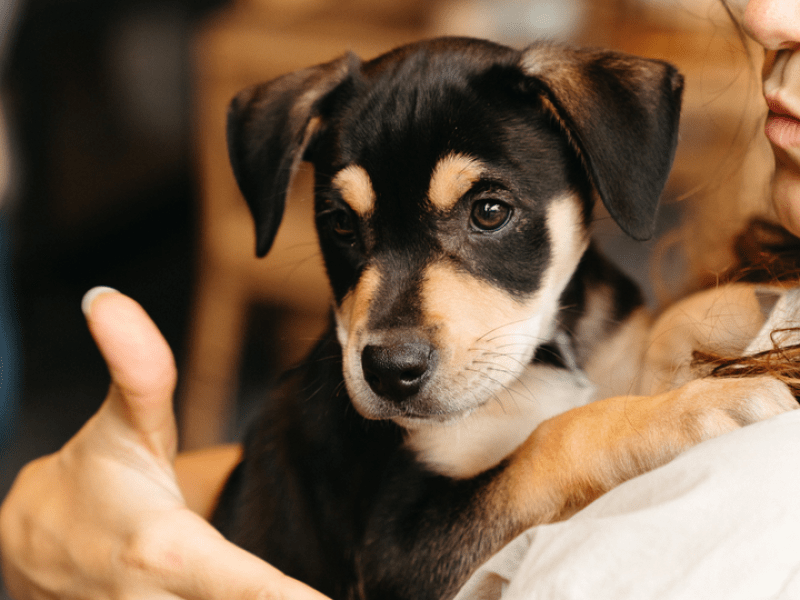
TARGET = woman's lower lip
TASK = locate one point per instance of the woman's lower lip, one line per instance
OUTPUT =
(782, 130)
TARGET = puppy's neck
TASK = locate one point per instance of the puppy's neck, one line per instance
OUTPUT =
(489, 434)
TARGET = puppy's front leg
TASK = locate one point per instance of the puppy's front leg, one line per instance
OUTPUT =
(438, 535)
(575, 457)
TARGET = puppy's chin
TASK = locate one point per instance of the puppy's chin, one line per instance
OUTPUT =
(411, 415)
(414, 423)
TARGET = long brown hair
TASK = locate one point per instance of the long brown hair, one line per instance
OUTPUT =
(765, 253)
(780, 362)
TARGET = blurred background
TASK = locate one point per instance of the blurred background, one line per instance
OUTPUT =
(113, 171)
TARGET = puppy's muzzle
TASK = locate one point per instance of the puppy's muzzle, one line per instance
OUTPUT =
(397, 369)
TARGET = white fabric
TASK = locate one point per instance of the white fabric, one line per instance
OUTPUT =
(721, 521)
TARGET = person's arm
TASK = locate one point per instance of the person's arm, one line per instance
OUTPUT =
(104, 517)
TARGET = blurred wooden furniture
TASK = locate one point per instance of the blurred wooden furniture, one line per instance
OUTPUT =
(232, 51)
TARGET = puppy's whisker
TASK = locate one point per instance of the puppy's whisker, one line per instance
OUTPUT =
(490, 394)
(485, 375)
(519, 361)
(486, 365)
(496, 360)
(518, 341)
(538, 341)
(510, 391)
(514, 378)
(494, 330)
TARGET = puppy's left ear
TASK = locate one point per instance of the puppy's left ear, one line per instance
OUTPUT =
(270, 126)
(621, 114)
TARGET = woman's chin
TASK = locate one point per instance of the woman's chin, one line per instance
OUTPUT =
(786, 194)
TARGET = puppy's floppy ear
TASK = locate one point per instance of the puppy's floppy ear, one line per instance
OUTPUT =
(621, 114)
(269, 128)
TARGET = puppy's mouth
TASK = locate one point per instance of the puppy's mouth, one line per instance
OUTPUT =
(414, 422)
(414, 411)
(413, 418)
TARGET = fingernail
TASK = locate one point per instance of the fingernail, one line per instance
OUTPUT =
(88, 298)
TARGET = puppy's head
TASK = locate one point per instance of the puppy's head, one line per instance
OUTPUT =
(454, 186)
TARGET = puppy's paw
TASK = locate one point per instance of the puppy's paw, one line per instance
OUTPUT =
(710, 407)
(576, 456)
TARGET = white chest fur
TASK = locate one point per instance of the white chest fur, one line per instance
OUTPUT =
(486, 436)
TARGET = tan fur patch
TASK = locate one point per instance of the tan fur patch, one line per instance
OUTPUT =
(472, 315)
(352, 314)
(351, 330)
(355, 186)
(452, 178)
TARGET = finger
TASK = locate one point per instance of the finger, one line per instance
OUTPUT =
(215, 569)
(140, 362)
(243, 576)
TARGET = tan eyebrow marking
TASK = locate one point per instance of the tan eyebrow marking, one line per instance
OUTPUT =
(452, 177)
(355, 186)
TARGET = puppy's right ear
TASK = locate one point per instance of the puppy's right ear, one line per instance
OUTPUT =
(269, 128)
(621, 115)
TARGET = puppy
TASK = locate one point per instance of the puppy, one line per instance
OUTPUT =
(454, 187)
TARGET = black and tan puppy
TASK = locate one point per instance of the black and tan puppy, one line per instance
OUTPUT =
(455, 181)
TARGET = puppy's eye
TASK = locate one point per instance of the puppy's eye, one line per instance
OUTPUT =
(343, 226)
(490, 215)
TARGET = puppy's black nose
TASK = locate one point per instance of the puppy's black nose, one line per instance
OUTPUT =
(397, 371)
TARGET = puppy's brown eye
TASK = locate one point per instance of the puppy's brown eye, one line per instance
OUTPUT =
(342, 225)
(490, 215)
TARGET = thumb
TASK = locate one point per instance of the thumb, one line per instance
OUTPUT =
(141, 365)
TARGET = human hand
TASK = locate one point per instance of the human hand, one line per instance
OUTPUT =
(104, 517)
